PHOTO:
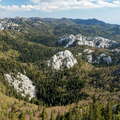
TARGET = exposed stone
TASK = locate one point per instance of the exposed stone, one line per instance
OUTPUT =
(68, 40)
(105, 58)
(102, 58)
(22, 84)
(98, 42)
(7, 25)
(90, 58)
(79, 54)
(61, 60)
(116, 50)
(88, 51)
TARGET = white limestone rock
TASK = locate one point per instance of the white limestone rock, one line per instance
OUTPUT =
(5, 24)
(22, 84)
(117, 50)
(101, 42)
(97, 42)
(79, 54)
(102, 58)
(1, 27)
(88, 51)
(68, 40)
(61, 60)
(105, 58)
(90, 58)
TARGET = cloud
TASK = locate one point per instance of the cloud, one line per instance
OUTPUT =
(51, 5)
(17, 8)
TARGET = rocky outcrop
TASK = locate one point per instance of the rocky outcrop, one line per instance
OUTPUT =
(117, 50)
(1, 27)
(61, 60)
(88, 51)
(22, 84)
(7, 25)
(105, 58)
(97, 42)
(67, 40)
(102, 58)
(90, 58)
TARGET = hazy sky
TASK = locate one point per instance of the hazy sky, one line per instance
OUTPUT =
(106, 10)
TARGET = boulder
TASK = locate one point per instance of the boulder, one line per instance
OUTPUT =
(22, 84)
(61, 60)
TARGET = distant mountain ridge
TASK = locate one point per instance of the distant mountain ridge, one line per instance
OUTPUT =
(91, 21)
(53, 28)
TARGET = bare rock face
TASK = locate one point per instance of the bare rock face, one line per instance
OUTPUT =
(67, 40)
(105, 58)
(61, 60)
(97, 42)
(22, 84)
(7, 25)
(102, 58)
(90, 58)
(88, 51)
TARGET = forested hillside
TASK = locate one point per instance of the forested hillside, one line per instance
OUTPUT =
(59, 69)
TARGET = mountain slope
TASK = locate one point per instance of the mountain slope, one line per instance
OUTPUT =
(85, 75)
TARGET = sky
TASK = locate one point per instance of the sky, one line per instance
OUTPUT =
(105, 10)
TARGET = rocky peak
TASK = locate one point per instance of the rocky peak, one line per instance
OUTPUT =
(61, 60)
(79, 39)
(101, 42)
